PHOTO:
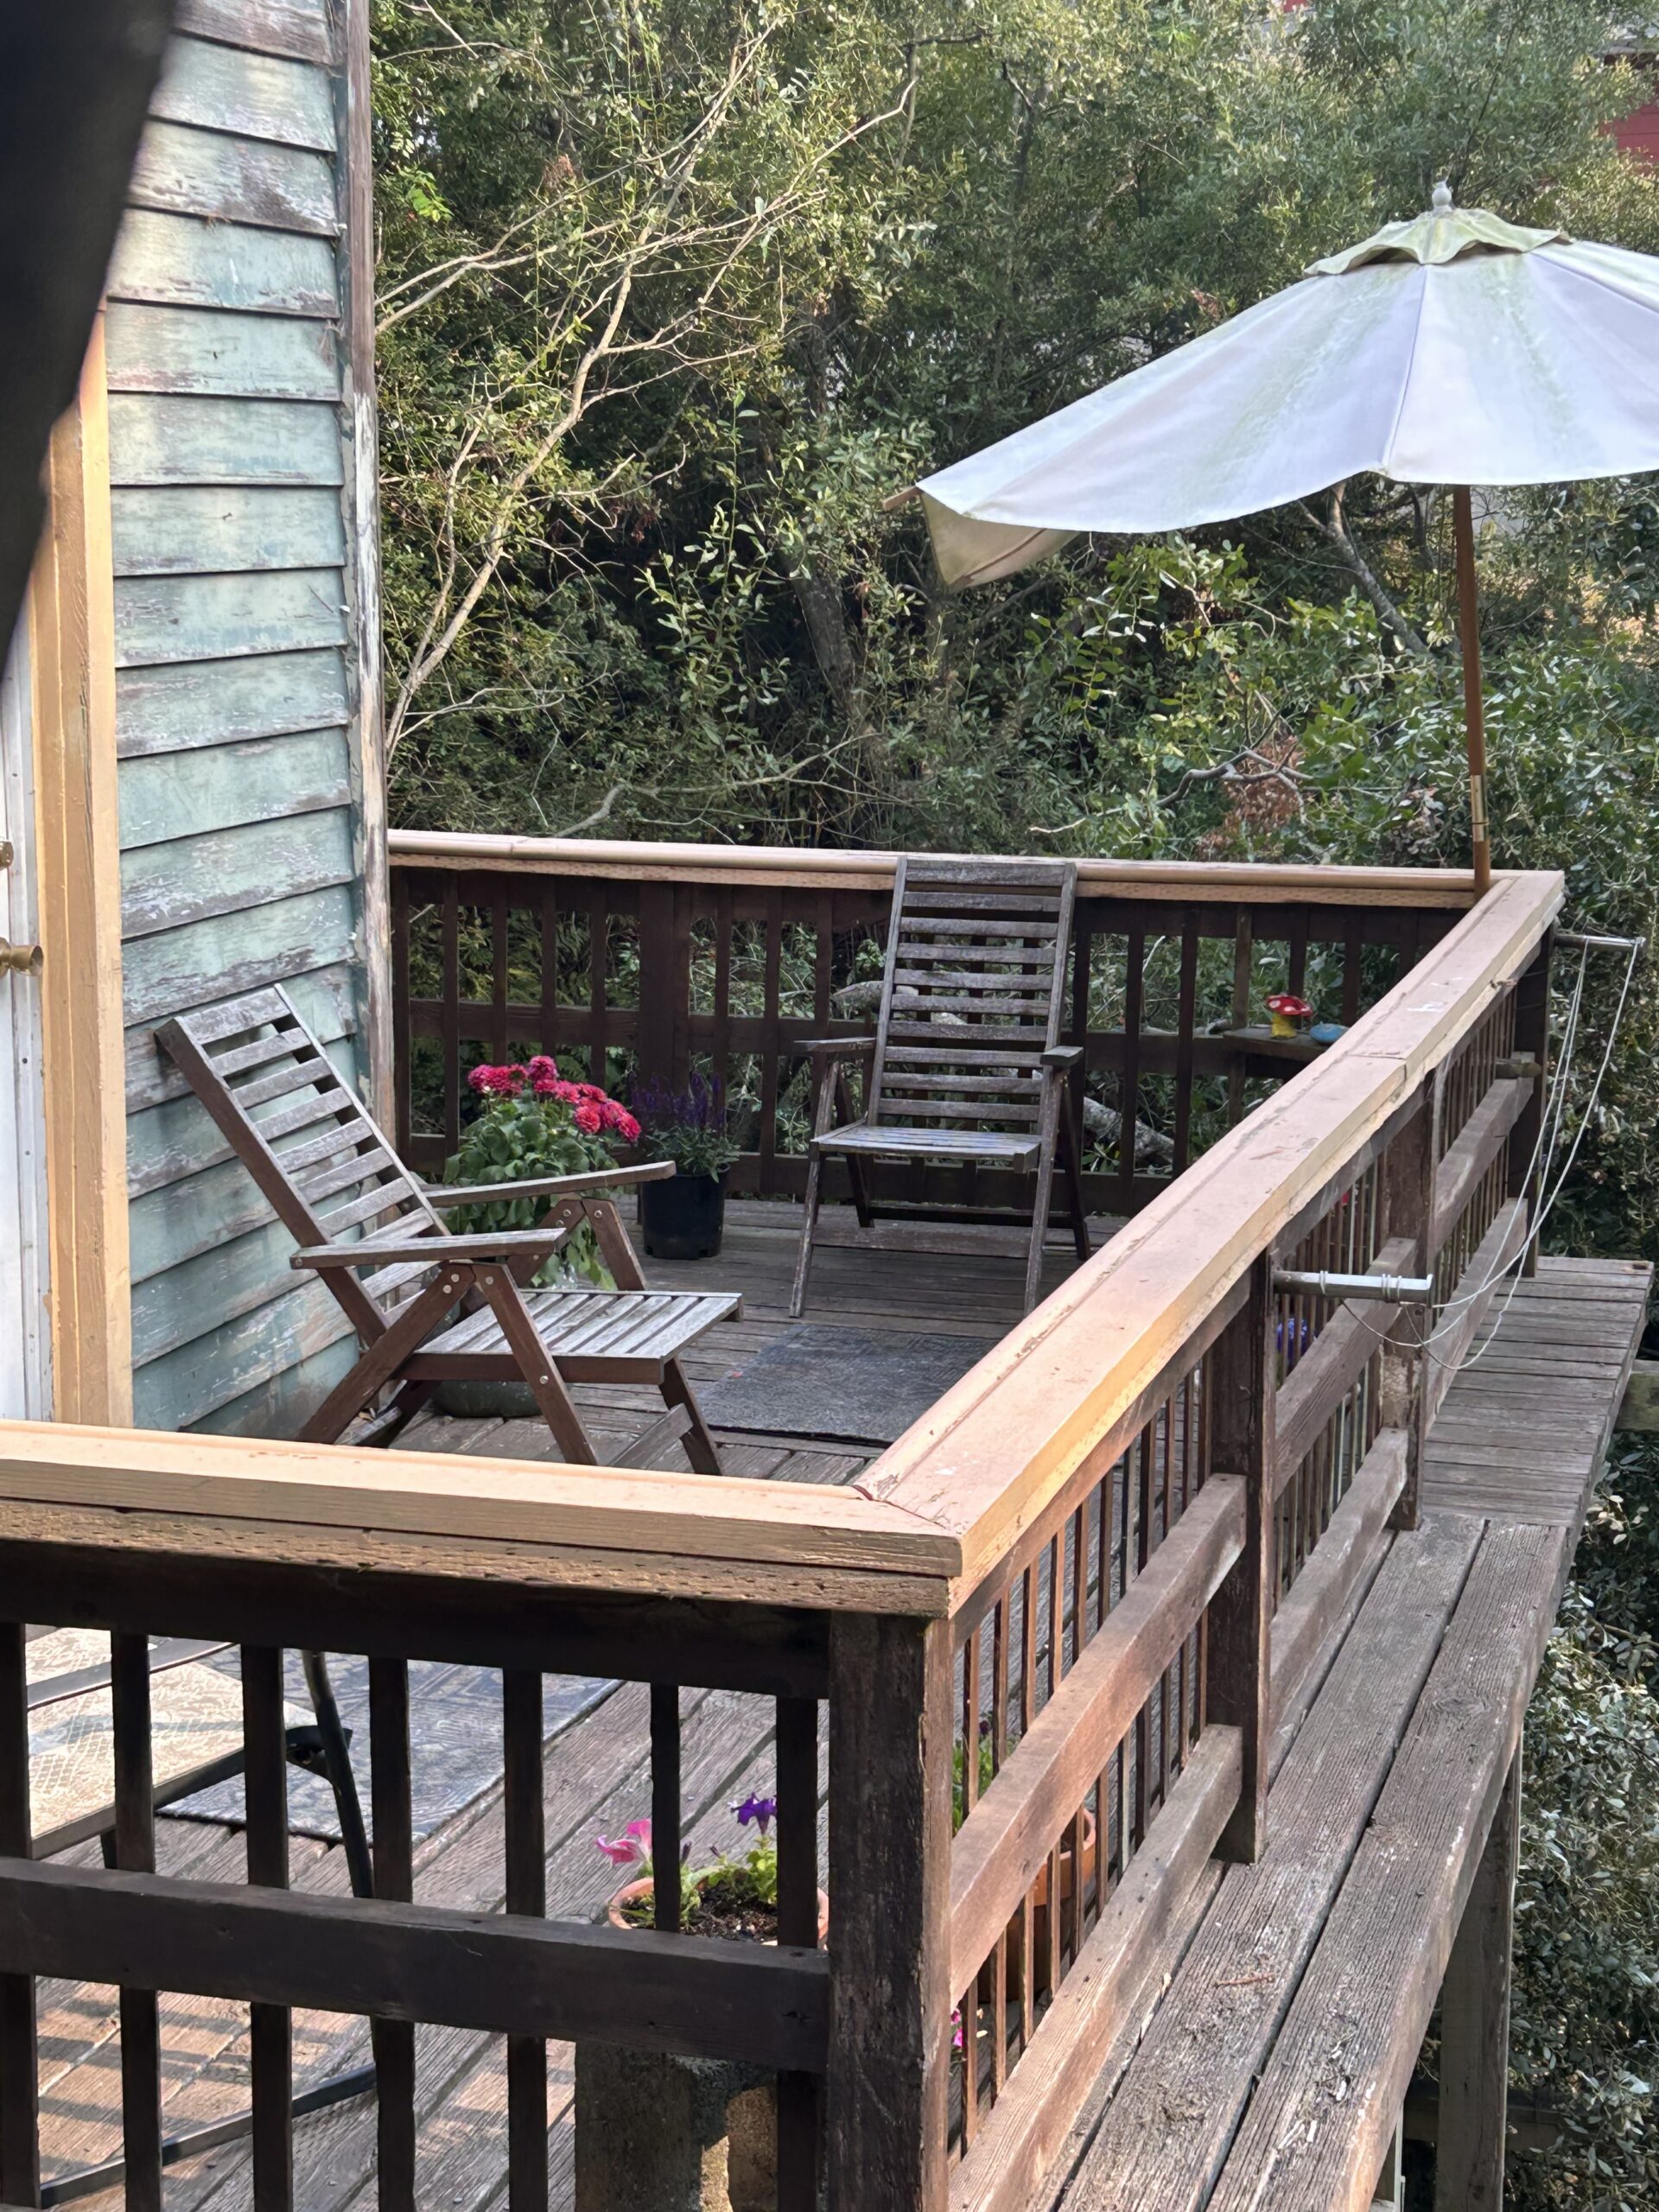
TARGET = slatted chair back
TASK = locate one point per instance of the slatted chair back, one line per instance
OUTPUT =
(972, 992)
(308, 1141)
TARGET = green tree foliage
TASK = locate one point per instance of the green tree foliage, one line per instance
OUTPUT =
(674, 292)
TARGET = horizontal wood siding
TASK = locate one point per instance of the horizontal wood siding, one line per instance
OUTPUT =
(239, 669)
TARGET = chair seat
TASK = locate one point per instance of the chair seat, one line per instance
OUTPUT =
(613, 1336)
(901, 1141)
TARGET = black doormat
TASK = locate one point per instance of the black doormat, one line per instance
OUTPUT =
(841, 1386)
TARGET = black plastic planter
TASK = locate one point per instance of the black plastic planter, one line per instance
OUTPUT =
(682, 1217)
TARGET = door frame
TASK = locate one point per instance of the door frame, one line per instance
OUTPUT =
(78, 875)
(24, 1107)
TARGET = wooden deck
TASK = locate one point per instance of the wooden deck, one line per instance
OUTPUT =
(980, 1297)
(1284, 1985)
(1299, 1989)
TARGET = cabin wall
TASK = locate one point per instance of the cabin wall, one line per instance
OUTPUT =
(238, 335)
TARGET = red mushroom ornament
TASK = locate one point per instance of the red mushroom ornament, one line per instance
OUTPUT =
(1290, 1013)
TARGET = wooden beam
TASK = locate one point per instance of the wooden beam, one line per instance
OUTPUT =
(1475, 2024)
(731, 1531)
(1480, 1283)
(499, 1973)
(889, 2069)
(648, 861)
(1332, 1366)
(1482, 1137)
(360, 494)
(1340, 1561)
(72, 647)
(1639, 1410)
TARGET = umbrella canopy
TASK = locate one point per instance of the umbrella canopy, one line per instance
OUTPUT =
(1455, 348)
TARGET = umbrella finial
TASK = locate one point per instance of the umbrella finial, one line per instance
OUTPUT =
(1440, 199)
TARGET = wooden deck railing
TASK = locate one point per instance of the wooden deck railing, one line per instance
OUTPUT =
(641, 960)
(1045, 1642)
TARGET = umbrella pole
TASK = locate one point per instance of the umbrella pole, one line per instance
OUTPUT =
(1474, 719)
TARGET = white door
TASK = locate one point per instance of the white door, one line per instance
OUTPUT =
(25, 1340)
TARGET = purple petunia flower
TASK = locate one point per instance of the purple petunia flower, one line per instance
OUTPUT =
(761, 1810)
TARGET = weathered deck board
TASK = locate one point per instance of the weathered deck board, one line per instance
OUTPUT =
(1321, 2116)
(1524, 1428)
(1165, 2133)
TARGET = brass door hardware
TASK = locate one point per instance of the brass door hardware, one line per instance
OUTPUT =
(20, 959)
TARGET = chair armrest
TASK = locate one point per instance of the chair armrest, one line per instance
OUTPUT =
(443, 1195)
(1064, 1058)
(434, 1251)
(823, 1049)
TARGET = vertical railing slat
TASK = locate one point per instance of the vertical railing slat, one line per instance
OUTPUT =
(665, 1805)
(1130, 1089)
(393, 2040)
(270, 2039)
(522, 1721)
(1238, 1682)
(20, 2147)
(797, 1923)
(134, 1853)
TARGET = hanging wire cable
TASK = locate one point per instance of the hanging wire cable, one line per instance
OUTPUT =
(1548, 1203)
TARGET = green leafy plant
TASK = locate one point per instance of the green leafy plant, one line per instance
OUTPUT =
(534, 1124)
(986, 1765)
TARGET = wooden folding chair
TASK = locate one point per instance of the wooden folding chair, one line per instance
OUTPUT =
(965, 1065)
(429, 1308)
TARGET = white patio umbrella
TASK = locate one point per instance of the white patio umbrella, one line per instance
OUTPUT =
(1455, 348)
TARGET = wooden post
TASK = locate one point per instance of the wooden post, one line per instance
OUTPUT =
(889, 2071)
(1409, 1169)
(1473, 711)
(1531, 1036)
(1243, 1378)
(1475, 2025)
(72, 646)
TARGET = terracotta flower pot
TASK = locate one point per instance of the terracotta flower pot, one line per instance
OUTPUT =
(639, 1892)
(1039, 1921)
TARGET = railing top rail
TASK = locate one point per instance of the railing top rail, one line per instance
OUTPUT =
(430, 1513)
(783, 866)
(998, 1446)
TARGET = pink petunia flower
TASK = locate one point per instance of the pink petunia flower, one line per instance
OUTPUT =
(630, 1848)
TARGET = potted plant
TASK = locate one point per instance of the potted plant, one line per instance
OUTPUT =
(532, 1123)
(1039, 1893)
(653, 2127)
(736, 1899)
(682, 1217)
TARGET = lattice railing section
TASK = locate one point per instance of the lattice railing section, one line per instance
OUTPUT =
(1091, 1631)
(653, 962)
